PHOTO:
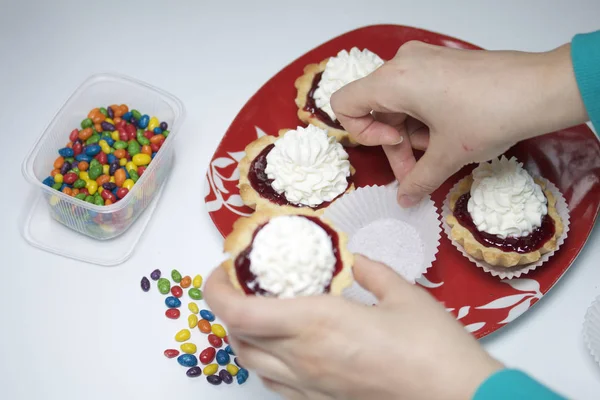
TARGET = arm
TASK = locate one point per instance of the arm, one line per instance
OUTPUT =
(585, 55)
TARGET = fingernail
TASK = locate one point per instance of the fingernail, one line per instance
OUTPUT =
(399, 141)
(406, 200)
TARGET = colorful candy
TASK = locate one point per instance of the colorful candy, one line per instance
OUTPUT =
(207, 315)
(171, 353)
(187, 360)
(204, 326)
(211, 369)
(242, 376)
(163, 285)
(214, 379)
(218, 330)
(192, 321)
(229, 350)
(145, 283)
(223, 357)
(197, 282)
(173, 313)
(225, 376)
(207, 355)
(193, 307)
(182, 335)
(195, 294)
(176, 276)
(155, 275)
(186, 281)
(176, 291)
(194, 372)
(189, 348)
(215, 341)
(232, 369)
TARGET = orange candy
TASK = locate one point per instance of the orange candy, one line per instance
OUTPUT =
(204, 326)
(117, 120)
(83, 165)
(120, 176)
(121, 153)
(118, 111)
(59, 162)
(96, 116)
(98, 127)
(74, 192)
(67, 190)
(146, 150)
(54, 172)
(157, 139)
(186, 281)
(102, 179)
(107, 202)
(69, 145)
(85, 134)
(93, 112)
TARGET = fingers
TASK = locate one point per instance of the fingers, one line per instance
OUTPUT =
(286, 391)
(264, 363)
(401, 158)
(379, 279)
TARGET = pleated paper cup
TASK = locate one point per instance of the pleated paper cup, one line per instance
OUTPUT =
(591, 329)
(405, 239)
(513, 272)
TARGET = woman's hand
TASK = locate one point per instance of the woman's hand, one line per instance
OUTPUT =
(463, 106)
(330, 348)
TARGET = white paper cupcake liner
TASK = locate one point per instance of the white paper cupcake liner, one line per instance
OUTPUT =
(513, 272)
(405, 239)
(591, 329)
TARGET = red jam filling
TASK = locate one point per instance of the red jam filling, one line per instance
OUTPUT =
(262, 184)
(248, 280)
(526, 244)
(312, 108)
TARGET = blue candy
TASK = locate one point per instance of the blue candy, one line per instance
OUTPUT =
(126, 173)
(111, 158)
(110, 141)
(207, 315)
(143, 122)
(242, 376)
(229, 350)
(66, 152)
(223, 357)
(157, 131)
(114, 191)
(49, 181)
(187, 360)
(126, 116)
(93, 149)
(153, 154)
(172, 302)
(64, 185)
(83, 157)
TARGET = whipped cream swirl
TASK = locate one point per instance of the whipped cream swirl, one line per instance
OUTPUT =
(505, 200)
(308, 166)
(292, 256)
(342, 69)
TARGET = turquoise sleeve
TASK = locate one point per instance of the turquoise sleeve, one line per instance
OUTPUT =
(585, 53)
(514, 385)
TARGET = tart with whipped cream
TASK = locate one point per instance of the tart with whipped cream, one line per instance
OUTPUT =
(503, 216)
(287, 253)
(301, 168)
(321, 80)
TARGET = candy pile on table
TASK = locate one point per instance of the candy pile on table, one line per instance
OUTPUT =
(214, 356)
(105, 158)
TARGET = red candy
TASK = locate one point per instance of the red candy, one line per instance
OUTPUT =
(148, 134)
(123, 135)
(84, 191)
(215, 341)
(108, 195)
(102, 158)
(171, 353)
(77, 148)
(120, 124)
(177, 291)
(155, 147)
(207, 355)
(70, 178)
(74, 135)
(122, 192)
(173, 313)
(141, 170)
(226, 339)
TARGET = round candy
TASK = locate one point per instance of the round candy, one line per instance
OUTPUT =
(189, 348)
(171, 353)
(242, 376)
(194, 372)
(173, 313)
(207, 355)
(226, 339)
(155, 275)
(193, 307)
(182, 335)
(192, 321)
(232, 369)
(215, 341)
(141, 159)
(223, 357)
(204, 326)
(176, 291)
(207, 315)
(225, 376)
(218, 330)
(195, 294)
(172, 302)
(187, 360)
(186, 281)
(214, 379)
(229, 350)
(164, 285)
(176, 276)
(210, 369)
(197, 282)
(145, 284)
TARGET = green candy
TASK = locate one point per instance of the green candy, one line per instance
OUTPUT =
(139, 132)
(119, 144)
(99, 201)
(176, 276)
(80, 196)
(144, 141)
(79, 183)
(136, 114)
(106, 134)
(103, 111)
(166, 133)
(163, 285)
(95, 172)
(57, 186)
(133, 148)
(75, 171)
(70, 160)
(195, 294)
(86, 123)
(133, 175)
(94, 162)
(89, 199)
(95, 138)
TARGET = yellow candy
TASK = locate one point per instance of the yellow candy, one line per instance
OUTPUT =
(91, 186)
(130, 166)
(210, 369)
(110, 121)
(218, 330)
(182, 335)
(115, 136)
(54, 200)
(193, 307)
(84, 175)
(58, 178)
(141, 159)
(192, 321)
(128, 184)
(105, 169)
(112, 179)
(197, 282)
(189, 348)
(154, 122)
(232, 369)
(123, 162)
(104, 146)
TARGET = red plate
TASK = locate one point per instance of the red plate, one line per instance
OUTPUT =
(483, 303)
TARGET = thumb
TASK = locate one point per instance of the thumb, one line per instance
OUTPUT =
(426, 176)
(379, 279)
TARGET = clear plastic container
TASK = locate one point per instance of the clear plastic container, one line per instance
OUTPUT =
(104, 222)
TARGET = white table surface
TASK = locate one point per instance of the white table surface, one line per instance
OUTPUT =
(70, 330)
